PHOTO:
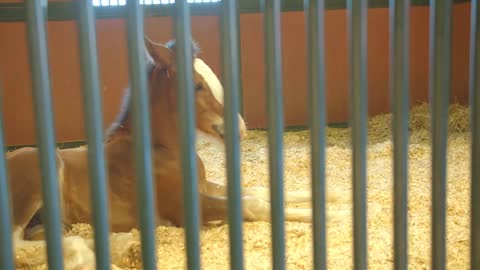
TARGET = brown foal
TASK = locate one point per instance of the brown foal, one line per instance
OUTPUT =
(72, 164)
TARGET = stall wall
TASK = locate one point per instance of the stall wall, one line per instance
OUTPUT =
(112, 51)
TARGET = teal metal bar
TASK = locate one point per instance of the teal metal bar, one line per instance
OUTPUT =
(231, 84)
(141, 130)
(65, 11)
(475, 126)
(357, 40)
(6, 246)
(274, 87)
(186, 108)
(45, 130)
(440, 79)
(315, 14)
(92, 108)
(400, 97)
(239, 58)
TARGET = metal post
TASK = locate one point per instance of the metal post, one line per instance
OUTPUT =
(274, 87)
(440, 60)
(92, 109)
(315, 13)
(357, 37)
(186, 107)
(239, 59)
(45, 130)
(399, 87)
(6, 247)
(231, 83)
(475, 126)
(142, 135)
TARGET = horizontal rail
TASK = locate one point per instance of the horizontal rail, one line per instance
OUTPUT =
(65, 11)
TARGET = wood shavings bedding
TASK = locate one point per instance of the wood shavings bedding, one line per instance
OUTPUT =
(215, 245)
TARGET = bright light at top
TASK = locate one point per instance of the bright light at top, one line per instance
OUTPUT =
(106, 3)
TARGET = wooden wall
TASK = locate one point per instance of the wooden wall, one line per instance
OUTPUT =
(65, 72)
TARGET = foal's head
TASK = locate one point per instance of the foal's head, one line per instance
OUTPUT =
(208, 97)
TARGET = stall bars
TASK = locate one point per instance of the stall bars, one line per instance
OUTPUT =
(440, 40)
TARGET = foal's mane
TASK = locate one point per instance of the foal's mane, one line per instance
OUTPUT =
(119, 124)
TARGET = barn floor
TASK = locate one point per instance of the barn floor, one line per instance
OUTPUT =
(297, 177)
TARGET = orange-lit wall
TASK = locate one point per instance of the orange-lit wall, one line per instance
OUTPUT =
(65, 72)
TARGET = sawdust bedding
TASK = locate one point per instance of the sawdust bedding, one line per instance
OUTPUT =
(214, 239)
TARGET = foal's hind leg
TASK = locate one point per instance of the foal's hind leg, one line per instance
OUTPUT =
(26, 197)
(25, 183)
(25, 187)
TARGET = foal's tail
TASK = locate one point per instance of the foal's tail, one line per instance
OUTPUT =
(77, 253)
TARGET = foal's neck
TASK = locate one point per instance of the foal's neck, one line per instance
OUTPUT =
(164, 129)
(164, 125)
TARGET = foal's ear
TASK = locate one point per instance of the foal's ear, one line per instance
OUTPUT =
(172, 45)
(158, 53)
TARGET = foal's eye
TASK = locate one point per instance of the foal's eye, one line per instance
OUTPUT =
(198, 87)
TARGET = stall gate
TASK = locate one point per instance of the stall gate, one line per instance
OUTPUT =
(35, 13)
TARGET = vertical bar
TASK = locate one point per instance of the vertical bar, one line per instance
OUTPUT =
(440, 60)
(273, 60)
(93, 121)
(399, 87)
(475, 126)
(186, 107)
(239, 58)
(142, 135)
(45, 130)
(231, 82)
(357, 26)
(6, 246)
(315, 13)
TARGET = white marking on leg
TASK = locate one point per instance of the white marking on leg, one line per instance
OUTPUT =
(298, 214)
(255, 209)
(61, 181)
(17, 235)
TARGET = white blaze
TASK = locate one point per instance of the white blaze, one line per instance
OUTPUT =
(210, 77)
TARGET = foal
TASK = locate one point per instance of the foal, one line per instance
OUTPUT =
(72, 164)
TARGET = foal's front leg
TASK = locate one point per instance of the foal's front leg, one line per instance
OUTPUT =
(215, 208)
(262, 193)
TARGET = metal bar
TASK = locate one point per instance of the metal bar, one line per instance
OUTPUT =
(65, 11)
(315, 14)
(239, 59)
(92, 109)
(231, 83)
(186, 107)
(399, 87)
(357, 37)
(475, 126)
(274, 87)
(440, 60)
(6, 246)
(141, 130)
(45, 130)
